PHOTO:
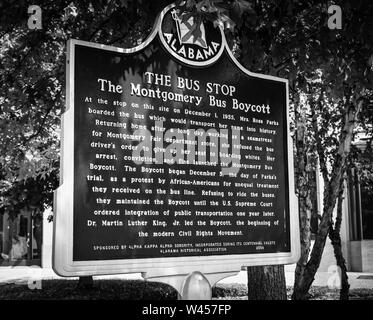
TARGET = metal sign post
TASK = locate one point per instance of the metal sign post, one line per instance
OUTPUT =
(192, 286)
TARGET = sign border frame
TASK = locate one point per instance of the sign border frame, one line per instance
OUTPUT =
(62, 253)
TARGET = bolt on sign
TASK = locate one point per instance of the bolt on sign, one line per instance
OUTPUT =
(175, 159)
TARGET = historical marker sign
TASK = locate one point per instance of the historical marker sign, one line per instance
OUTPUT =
(174, 157)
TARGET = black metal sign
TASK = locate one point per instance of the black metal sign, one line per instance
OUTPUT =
(173, 152)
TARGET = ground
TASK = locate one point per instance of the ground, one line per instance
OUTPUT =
(143, 290)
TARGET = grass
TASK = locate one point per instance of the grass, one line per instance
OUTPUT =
(144, 290)
(324, 293)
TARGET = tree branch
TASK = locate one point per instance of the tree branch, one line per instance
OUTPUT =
(319, 146)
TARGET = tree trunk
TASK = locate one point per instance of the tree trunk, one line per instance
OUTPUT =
(303, 196)
(38, 232)
(266, 283)
(305, 235)
(85, 283)
(335, 237)
(331, 192)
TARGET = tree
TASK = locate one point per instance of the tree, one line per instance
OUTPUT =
(266, 283)
(336, 97)
(32, 83)
(330, 74)
(32, 87)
